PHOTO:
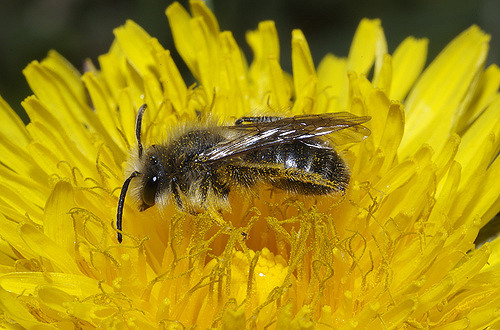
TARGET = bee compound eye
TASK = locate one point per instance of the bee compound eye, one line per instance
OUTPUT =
(150, 189)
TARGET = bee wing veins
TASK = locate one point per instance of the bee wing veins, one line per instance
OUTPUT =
(264, 134)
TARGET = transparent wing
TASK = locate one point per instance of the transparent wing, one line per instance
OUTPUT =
(250, 136)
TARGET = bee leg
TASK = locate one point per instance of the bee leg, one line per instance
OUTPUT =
(220, 189)
(263, 119)
(177, 196)
(289, 179)
(204, 190)
(307, 183)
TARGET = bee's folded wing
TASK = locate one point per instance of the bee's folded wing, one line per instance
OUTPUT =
(257, 135)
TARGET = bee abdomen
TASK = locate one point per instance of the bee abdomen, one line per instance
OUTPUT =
(305, 169)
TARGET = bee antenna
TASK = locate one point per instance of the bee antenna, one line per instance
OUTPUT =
(121, 203)
(138, 124)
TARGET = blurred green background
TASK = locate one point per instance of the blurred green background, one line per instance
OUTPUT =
(80, 29)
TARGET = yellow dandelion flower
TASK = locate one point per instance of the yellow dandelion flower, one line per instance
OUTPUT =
(396, 251)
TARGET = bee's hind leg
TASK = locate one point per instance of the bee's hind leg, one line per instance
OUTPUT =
(211, 195)
(219, 193)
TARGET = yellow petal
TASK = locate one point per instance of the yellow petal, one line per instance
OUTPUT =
(15, 311)
(268, 83)
(12, 125)
(135, 43)
(485, 316)
(154, 92)
(174, 86)
(421, 186)
(57, 63)
(180, 24)
(383, 77)
(70, 307)
(280, 87)
(433, 296)
(451, 255)
(443, 89)
(53, 91)
(62, 145)
(494, 259)
(393, 133)
(471, 266)
(265, 44)
(11, 199)
(31, 189)
(304, 74)
(377, 105)
(408, 61)
(111, 73)
(487, 204)
(44, 158)
(233, 83)
(446, 193)
(395, 316)
(16, 158)
(368, 43)
(200, 50)
(57, 219)
(415, 259)
(333, 82)
(77, 285)
(208, 63)
(9, 231)
(104, 106)
(37, 241)
(486, 92)
(200, 9)
(482, 139)
(398, 176)
(447, 155)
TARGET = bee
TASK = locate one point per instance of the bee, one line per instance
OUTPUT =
(198, 167)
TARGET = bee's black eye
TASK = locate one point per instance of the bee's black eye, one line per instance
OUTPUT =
(149, 192)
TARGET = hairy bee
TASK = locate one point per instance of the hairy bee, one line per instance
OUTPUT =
(198, 167)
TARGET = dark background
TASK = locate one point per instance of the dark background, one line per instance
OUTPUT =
(80, 29)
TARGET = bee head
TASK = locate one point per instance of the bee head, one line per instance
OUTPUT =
(154, 178)
(149, 190)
